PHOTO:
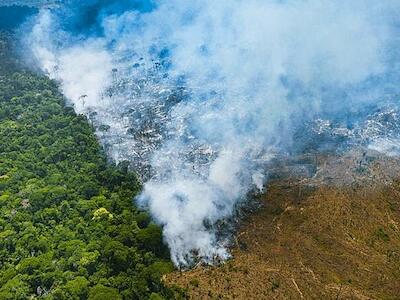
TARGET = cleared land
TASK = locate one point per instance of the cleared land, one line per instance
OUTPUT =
(333, 235)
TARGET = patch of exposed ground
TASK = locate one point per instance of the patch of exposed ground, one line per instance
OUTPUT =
(335, 235)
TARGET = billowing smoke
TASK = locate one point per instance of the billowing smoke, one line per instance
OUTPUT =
(200, 95)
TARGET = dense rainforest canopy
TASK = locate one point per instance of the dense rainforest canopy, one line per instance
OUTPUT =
(68, 227)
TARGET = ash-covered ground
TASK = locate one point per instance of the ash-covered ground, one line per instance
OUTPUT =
(143, 119)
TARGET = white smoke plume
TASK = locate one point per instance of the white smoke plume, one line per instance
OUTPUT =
(205, 92)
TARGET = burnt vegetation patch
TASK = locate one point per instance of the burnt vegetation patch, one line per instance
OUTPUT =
(314, 238)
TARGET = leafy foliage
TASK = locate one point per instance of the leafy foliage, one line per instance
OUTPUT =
(68, 227)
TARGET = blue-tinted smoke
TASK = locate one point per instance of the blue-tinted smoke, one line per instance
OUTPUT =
(13, 16)
(200, 95)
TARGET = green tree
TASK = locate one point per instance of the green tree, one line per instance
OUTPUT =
(77, 288)
(68, 226)
(101, 292)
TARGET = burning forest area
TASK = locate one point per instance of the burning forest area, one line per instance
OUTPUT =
(154, 149)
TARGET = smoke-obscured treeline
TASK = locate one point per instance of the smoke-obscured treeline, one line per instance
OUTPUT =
(203, 94)
(68, 229)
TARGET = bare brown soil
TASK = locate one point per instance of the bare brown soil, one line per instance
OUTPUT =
(333, 236)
